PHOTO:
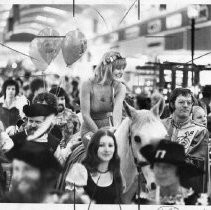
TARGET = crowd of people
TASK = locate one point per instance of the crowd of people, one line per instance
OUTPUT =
(55, 151)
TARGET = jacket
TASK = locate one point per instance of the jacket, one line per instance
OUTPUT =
(195, 139)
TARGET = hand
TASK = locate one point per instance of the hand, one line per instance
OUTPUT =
(113, 129)
(11, 130)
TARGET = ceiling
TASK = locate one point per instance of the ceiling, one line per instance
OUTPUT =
(22, 22)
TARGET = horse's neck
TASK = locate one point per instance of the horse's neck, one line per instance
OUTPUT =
(122, 137)
(127, 160)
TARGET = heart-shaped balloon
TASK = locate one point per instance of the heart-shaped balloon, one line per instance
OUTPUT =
(35, 56)
(50, 45)
(73, 46)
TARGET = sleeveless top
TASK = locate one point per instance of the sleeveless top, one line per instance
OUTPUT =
(101, 106)
(101, 195)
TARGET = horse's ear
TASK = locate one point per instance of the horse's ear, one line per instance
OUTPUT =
(130, 111)
(158, 108)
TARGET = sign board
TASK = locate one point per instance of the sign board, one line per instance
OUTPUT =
(132, 32)
(174, 21)
(154, 26)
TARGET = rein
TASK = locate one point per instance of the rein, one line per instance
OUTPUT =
(139, 164)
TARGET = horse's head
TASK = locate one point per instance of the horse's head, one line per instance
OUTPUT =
(144, 127)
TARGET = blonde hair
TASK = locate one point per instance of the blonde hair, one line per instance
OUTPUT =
(110, 61)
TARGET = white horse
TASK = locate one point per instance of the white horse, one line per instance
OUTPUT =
(140, 128)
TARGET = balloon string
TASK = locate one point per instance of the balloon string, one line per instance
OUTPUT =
(43, 78)
(18, 51)
(102, 18)
(127, 11)
(58, 87)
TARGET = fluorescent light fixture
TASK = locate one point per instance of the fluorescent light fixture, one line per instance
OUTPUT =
(30, 11)
(55, 11)
(45, 19)
(4, 15)
(35, 26)
(6, 6)
(24, 30)
(3, 23)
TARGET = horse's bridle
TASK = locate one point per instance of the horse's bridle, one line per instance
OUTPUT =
(139, 164)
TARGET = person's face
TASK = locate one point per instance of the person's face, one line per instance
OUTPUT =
(165, 174)
(25, 177)
(106, 148)
(117, 74)
(61, 103)
(34, 123)
(200, 117)
(183, 106)
(10, 91)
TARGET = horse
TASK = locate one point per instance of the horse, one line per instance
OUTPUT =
(139, 128)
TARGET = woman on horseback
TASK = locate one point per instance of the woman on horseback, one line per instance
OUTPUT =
(102, 96)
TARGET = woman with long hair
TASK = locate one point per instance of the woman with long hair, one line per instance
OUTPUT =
(102, 96)
(99, 174)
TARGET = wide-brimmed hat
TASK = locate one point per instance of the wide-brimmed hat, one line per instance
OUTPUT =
(35, 154)
(170, 152)
(35, 110)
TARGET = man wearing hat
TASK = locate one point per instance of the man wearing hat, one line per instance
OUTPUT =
(39, 123)
(35, 171)
(167, 160)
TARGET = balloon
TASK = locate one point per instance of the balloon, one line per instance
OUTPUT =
(49, 47)
(36, 58)
(73, 46)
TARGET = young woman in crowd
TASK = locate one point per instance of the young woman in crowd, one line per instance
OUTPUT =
(102, 96)
(99, 174)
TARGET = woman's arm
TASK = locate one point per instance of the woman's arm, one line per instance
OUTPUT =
(85, 106)
(120, 91)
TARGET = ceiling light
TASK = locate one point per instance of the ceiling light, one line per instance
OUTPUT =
(55, 11)
(4, 15)
(3, 23)
(45, 19)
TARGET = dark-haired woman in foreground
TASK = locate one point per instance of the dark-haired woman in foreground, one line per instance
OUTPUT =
(99, 174)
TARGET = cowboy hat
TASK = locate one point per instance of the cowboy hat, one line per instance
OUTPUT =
(35, 110)
(170, 152)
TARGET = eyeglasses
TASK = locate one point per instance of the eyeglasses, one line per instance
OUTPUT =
(182, 103)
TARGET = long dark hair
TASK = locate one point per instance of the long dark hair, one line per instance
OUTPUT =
(10, 82)
(91, 161)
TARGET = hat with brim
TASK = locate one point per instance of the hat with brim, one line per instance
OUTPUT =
(35, 110)
(170, 152)
(36, 155)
